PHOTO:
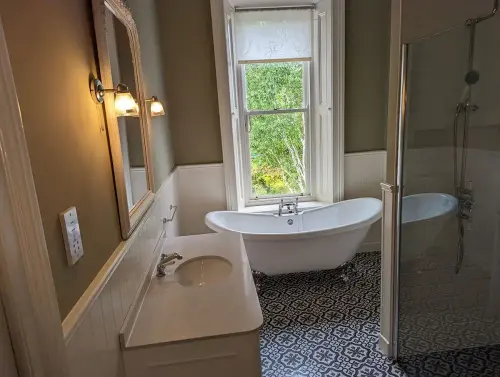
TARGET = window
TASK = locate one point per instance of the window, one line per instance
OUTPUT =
(273, 49)
(276, 103)
(282, 107)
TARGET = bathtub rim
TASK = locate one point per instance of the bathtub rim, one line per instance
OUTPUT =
(365, 223)
(448, 212)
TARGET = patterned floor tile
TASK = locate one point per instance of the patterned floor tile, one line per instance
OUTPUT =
(317, 326)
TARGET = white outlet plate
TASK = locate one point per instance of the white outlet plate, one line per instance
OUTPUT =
(71, 234)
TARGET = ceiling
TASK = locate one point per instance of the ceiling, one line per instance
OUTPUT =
(270, 3)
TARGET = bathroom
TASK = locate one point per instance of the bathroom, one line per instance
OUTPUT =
(410, 290)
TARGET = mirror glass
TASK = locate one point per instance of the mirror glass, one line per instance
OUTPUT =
(129, 126)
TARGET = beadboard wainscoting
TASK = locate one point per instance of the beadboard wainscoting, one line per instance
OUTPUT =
(363, 174)
(91, 329)
(201, 190)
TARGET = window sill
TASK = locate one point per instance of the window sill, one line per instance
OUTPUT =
(273, 208)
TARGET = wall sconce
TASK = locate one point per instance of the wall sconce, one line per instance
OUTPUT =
(156, 106)
(125, 104)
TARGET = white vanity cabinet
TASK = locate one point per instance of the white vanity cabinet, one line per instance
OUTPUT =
(226, 356)
(202, 318)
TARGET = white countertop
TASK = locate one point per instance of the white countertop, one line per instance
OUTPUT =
(171, 312)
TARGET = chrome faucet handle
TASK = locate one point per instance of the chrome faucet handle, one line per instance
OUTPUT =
(166, 260)
(171, 256)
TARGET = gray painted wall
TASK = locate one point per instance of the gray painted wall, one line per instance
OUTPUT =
(144, 12)
(191, 87)
(366, 74)
(191, 84)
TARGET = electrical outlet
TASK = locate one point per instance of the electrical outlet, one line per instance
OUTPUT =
(71, 234)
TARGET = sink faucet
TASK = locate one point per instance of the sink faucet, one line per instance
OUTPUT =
(166, 260)
(291, 207)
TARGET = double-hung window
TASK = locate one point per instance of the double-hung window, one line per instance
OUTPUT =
(273, 50)
(284, 133)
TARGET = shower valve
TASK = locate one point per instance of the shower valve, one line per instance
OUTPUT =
(468, 205)
(465, 216)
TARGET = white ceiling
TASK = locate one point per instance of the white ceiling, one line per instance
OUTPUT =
(270, 3)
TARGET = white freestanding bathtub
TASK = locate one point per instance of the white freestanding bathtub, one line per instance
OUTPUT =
(315, 239)
(423, 217)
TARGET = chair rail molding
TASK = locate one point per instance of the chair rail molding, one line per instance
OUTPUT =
(26, 284)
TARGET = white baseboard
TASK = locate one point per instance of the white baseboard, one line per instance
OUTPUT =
(369, 247)
(92, 328)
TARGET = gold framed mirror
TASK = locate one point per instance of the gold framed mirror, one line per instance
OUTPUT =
(121, 89)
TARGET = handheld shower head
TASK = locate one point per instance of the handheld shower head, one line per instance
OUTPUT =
(472, 77)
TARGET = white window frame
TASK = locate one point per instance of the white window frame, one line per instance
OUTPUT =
(245, 115)
(333, 157)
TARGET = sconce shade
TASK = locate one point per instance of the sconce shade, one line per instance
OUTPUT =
(125, 104)
(156, 107)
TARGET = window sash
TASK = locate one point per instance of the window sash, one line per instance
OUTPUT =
(250, 199)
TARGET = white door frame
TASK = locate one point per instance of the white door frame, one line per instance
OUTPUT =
(26, 285)
(233, 197)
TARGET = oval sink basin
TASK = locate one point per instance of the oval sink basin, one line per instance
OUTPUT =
(203, 271)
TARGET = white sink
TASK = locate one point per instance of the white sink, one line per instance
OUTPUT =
(203, 271)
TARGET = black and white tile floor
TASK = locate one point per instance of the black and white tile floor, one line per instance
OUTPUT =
(469, 362)
(316, 326)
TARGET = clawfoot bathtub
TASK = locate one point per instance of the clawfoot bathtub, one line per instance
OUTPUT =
(316, 239)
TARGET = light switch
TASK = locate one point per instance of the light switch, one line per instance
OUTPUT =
(71, 234)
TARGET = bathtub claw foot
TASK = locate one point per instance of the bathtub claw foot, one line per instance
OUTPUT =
(351, 268)
(348, 271)
(258, 279)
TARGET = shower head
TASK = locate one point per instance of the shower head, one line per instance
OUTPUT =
(472, 77)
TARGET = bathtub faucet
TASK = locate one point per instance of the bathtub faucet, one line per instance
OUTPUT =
(288, 207)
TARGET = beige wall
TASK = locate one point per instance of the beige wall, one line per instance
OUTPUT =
(53, 53)
(366, 74)
(187, 47)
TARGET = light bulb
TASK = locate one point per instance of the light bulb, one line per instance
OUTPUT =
(124, 102)
(157, 108)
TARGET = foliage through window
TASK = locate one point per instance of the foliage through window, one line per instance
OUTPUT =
(277, 118)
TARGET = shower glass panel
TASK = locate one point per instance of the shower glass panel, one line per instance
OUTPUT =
(449, 255)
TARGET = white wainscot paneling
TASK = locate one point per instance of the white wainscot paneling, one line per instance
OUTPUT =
(92, 327)
(201, 190)
(363, 173)
(139, 183)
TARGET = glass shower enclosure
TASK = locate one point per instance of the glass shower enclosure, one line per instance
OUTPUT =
(449, 220)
